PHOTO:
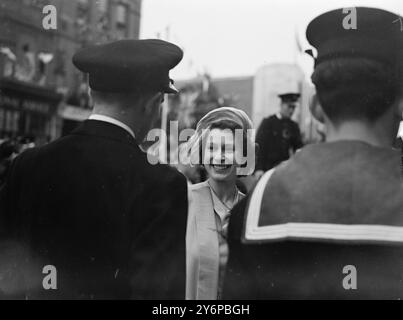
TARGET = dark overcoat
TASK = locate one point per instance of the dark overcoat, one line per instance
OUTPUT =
(92, 206)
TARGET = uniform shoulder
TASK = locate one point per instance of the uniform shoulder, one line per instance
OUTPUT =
(271, 120)
(44, 150)
(266, 121)
(294, 123)
(28, 156)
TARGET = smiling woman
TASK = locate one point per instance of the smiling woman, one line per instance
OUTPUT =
(210, 202)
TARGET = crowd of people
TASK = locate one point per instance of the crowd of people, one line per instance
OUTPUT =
(116, 227)
(11, 148)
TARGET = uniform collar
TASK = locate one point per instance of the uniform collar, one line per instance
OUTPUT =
(111, 120)
(105, 130)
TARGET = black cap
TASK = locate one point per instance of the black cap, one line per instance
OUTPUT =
(377, 36)
(289, 97)
(127, 65)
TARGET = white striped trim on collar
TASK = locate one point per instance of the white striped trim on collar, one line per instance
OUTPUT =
(357, 233)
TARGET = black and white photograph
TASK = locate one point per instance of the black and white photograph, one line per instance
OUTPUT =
(199, 156)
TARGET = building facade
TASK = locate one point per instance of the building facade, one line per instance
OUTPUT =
(33, 59)
(257, 95)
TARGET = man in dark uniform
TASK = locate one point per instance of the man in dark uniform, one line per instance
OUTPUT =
(89, 204)
(328, 222)
(278, 136)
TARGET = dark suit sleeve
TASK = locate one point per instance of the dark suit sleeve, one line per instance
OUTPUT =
(173, 260)
(13, 256)
(9, 200)
(262, 137)
(239, 283)
(4, 205)
(297, 138)
(162, 242)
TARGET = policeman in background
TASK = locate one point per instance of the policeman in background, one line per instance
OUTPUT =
(89, 204)
(278, 136)
(328, 222)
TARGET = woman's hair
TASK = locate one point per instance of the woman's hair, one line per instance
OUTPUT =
(355, 88)
(226, 124)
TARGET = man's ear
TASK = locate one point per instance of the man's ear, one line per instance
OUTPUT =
(316, 109)
(151, 103)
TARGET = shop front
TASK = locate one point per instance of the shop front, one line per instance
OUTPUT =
(27, 110)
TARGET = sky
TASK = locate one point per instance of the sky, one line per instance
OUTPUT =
(230, 38)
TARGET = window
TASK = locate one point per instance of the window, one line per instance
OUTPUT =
(2, 118)
(121, 15)
(15, 121)
(102, 6)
